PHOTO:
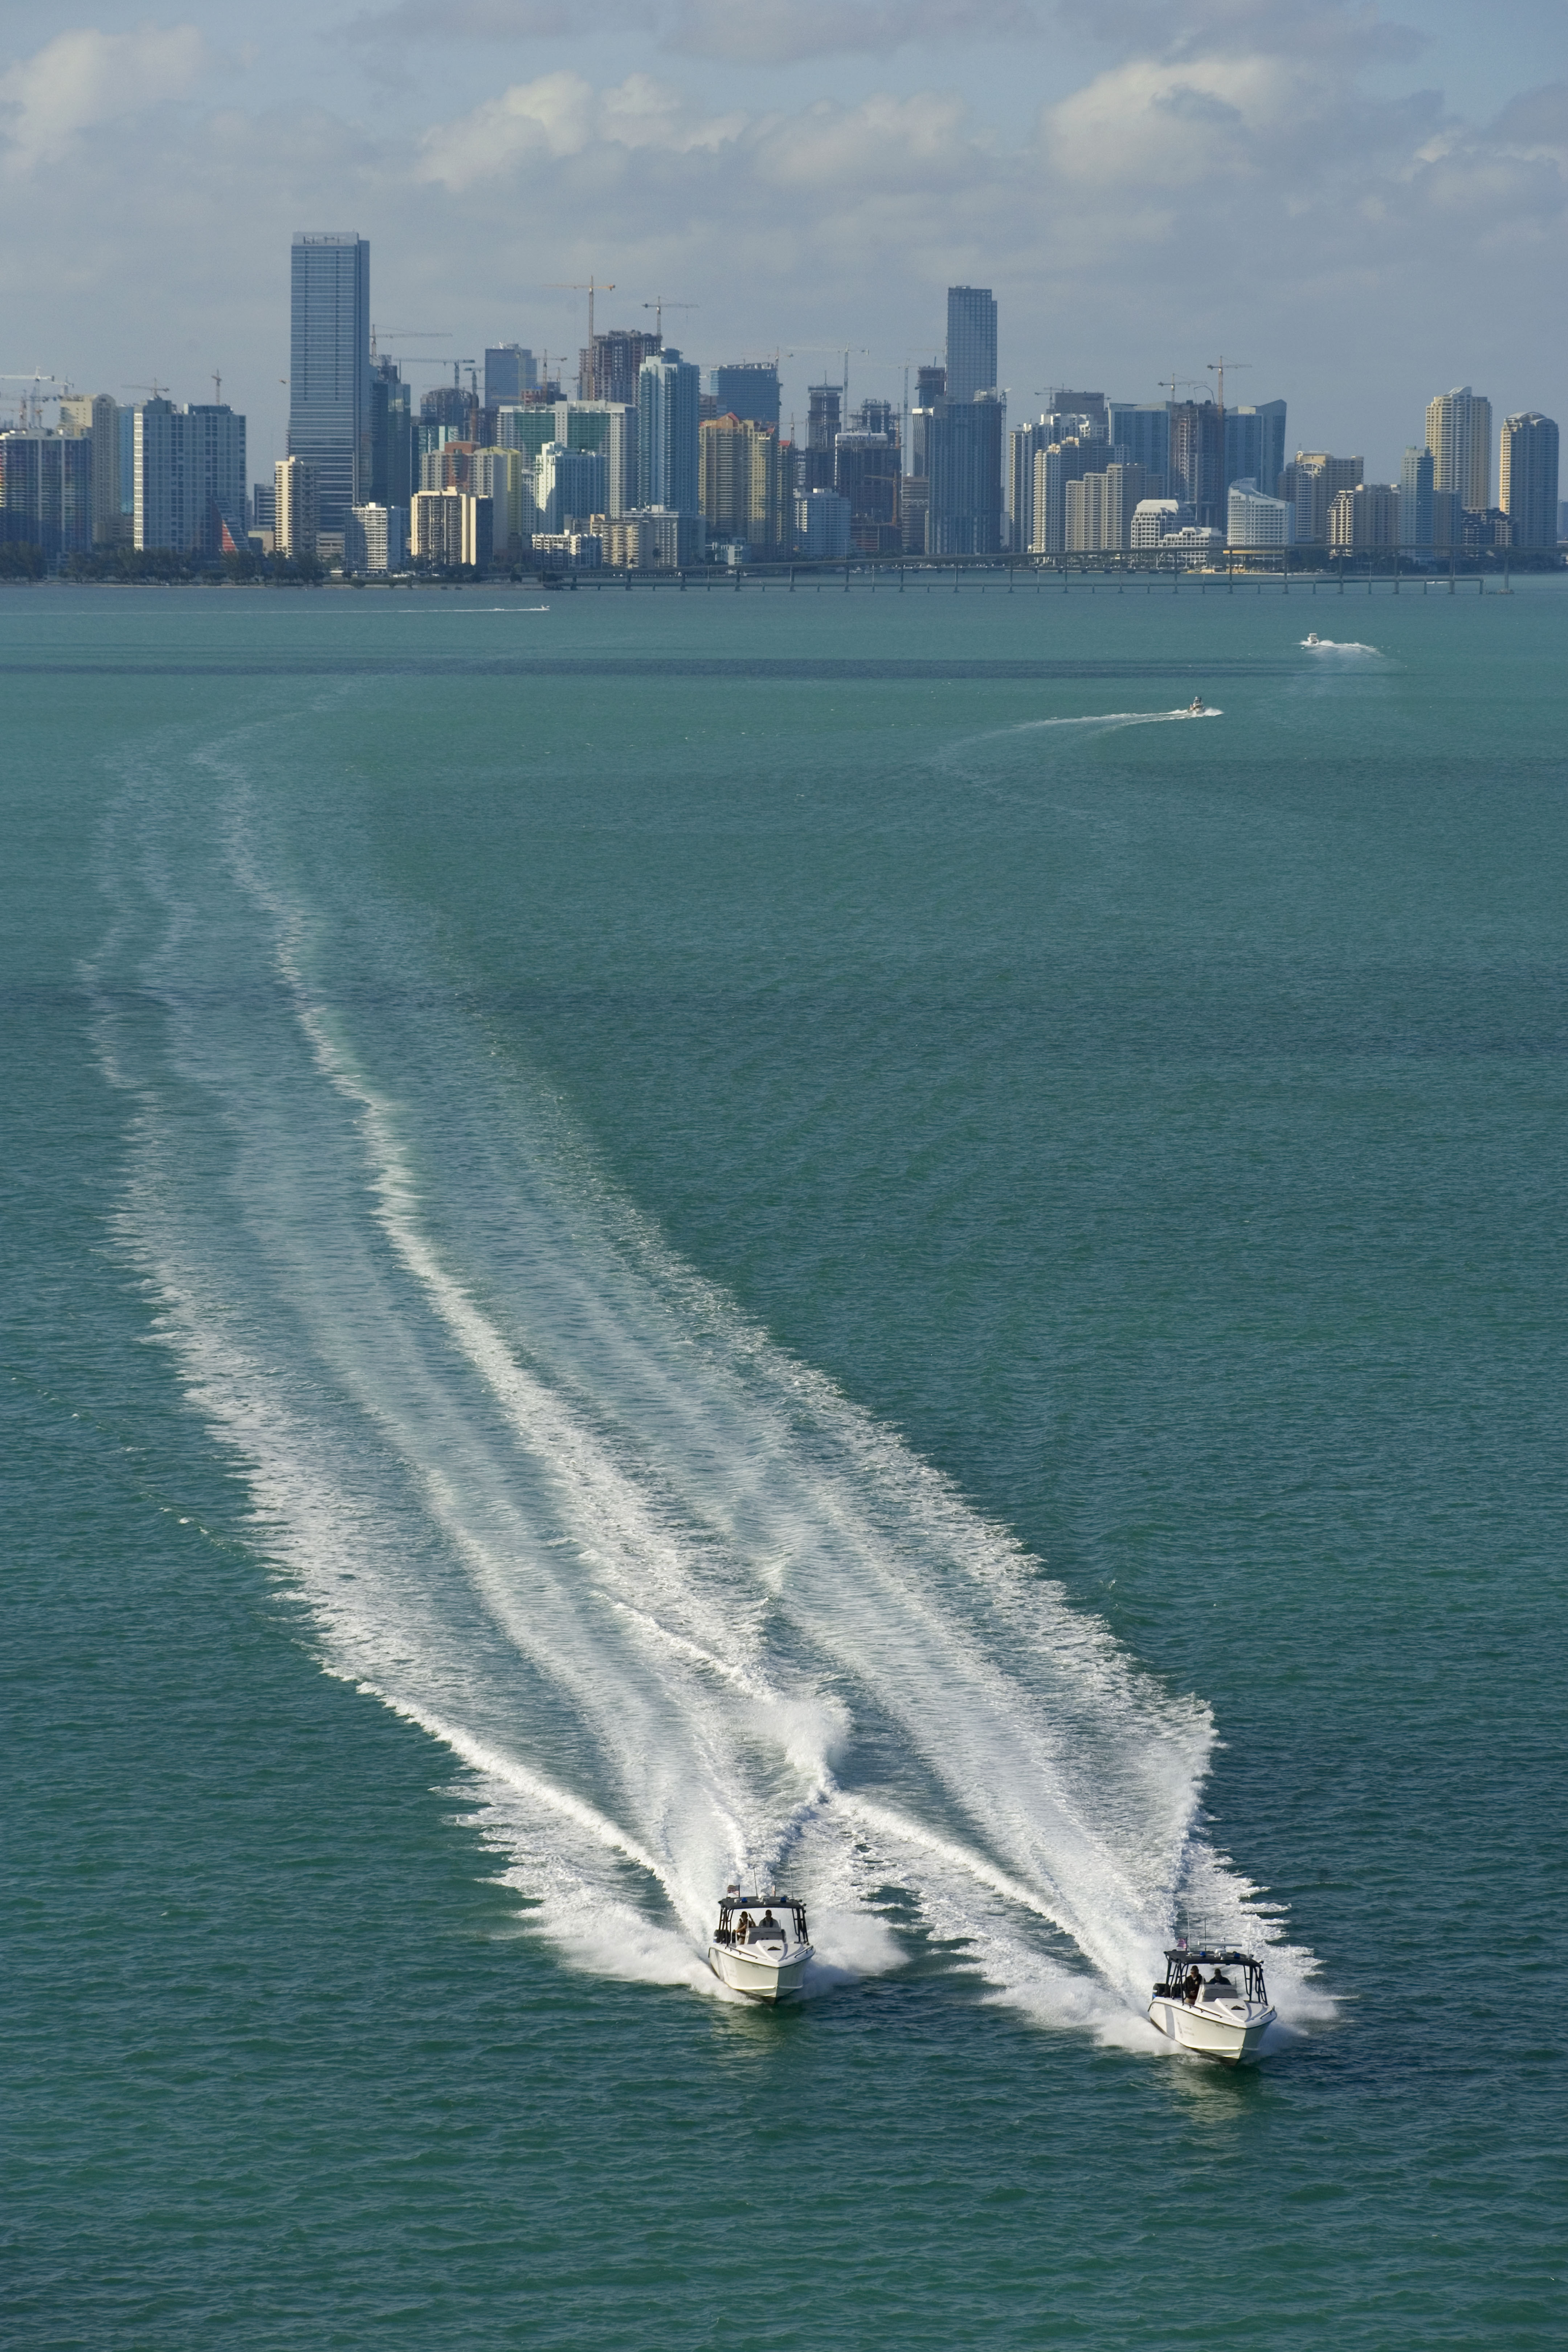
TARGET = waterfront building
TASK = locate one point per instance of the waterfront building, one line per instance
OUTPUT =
(970, 343)
(744, 488)
(1416, 499)
(1459, 435)
(569, 485)
(1024, 443)
(1100, 507)
(96, 418)
(392, 473)
(964, 516)
(1254, 445)
(824, 423)
(450, 529)
(1056, 467)
(1254, 520)
(329, 368)
(1484, 529)
(373, 544)
(822, 526)
(46, 491)
(1197, 460)
(750, 390)
(264, 507)
(296, 510)
(930, 390)
(189, 477)
(1311, 482)
(865, 473)
(1367, 516)
(511, 372)
(1153, 518)
(669, 419)
(663, 540)
(572, 551)
(1195, 546)
(1528, 483)
(914, 509)
(506, 479)
(1144, 429)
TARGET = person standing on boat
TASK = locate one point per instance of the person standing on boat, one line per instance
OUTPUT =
(1192, 1985)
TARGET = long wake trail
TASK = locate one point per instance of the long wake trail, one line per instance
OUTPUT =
(677, 1605)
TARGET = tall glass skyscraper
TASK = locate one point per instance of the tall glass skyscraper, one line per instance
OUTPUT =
(328, 369)
(970, 341)
(669, 413)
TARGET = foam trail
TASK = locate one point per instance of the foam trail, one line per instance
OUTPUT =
(673, 1601)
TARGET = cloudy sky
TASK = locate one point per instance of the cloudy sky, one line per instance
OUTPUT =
(1364, 202)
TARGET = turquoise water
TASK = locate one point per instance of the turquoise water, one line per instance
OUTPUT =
(681, 1229)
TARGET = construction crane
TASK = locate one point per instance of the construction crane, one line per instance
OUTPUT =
(1217, 367)
(161, 391)
(410, 335)
(658, 305)
(589, 285)
(36, 399)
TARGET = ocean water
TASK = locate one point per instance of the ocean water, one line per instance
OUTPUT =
(653, 1233)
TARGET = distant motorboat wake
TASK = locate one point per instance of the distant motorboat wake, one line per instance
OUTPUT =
(685, 1613)
(1313, 643)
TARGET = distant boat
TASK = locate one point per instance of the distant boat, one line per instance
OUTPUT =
(1222, 2014)
(760, 1945)
(1197, 707)
(1312, 638)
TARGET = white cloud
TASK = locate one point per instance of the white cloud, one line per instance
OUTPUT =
(561, 115)
(83, 79)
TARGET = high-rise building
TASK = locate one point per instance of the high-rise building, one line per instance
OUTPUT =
(609, 427)
(391, 437)
(329, 368)
(615, 363)
(750, 390)
(1254, 445)
(1197, 461)
(1459, 435)
(970, 343)
(1100, 506)
(824, 423)
(568, 486)
(866, 473)
(1416, 499)
(1142, 428)
(744, 492)
(451, 529)
(505, 477)
(189, 478)
(964, 516)
(1024, 443)
(1528, 483)
(1254, 520)
(96, 418)
(668, 417)
(46, 491)
(373, 544)
(296, 513)
(1093, 405)
(1367, 516)
(1311, 482)
(1063, 462)
(822, 526)
(1153, 518)
(510, 373)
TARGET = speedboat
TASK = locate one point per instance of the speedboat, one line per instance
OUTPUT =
(1197, 707)
(1213, 2001)
(760, 1946)
(1312, 638)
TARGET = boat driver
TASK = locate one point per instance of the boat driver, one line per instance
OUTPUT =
(769, 1926)
(1192, 1985)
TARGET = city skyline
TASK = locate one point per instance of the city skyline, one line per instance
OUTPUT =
(1359, 217)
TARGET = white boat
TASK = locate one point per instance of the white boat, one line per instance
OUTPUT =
(1213, 2001)
(760, 1946)
(1312, 638)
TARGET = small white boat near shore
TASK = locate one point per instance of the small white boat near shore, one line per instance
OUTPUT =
(1213, 2001)
(760, 1945)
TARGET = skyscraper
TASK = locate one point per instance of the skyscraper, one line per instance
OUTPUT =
(615, 359)
(970, 341)
(1144, 429)
(328, 369)
(749, 391)
(189, 478)
(745, 496)
(1415, 499)
(965, 443)
(1459, 435)
(668, 417)
(1527, 488)
(1255, 446)
(97, 420)
(1197, 461)
(391, 437)
(824, 421)
(510, 371)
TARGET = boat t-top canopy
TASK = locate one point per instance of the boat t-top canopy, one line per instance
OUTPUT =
(756, 1906)
(1187, 1959)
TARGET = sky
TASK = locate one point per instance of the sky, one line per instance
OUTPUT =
(1357, 205)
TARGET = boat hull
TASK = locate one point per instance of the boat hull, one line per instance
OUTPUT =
(758, 1978)
(1212, 2033)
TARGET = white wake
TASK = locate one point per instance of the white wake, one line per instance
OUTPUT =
(679, 1606)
